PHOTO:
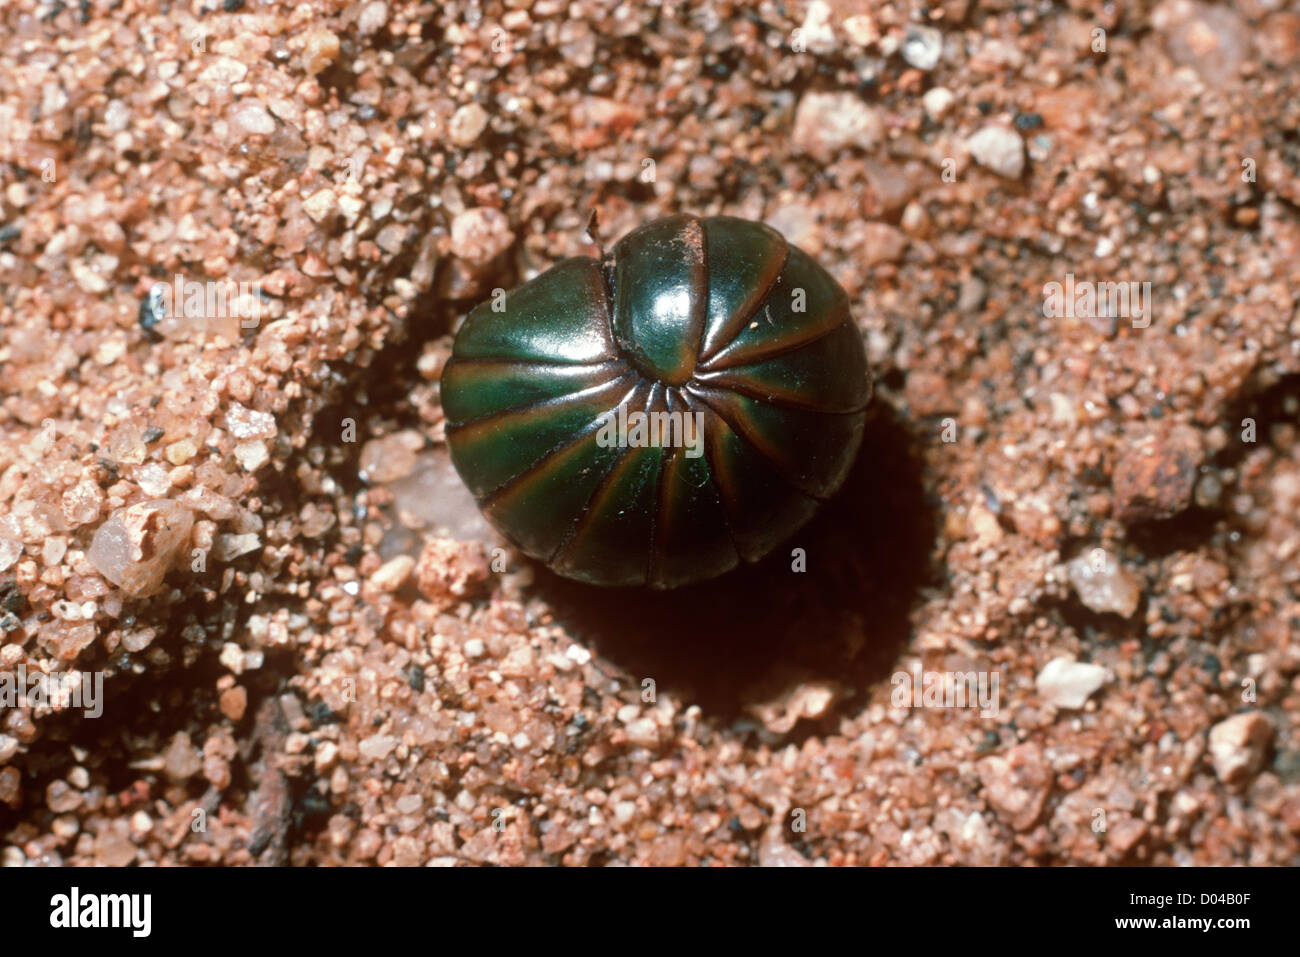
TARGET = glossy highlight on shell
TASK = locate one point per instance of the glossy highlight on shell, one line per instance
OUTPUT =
(713, 317)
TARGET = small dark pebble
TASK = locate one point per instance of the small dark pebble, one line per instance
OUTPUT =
(11, 599)
(579, 724)
(1029, 121)
(416, 678)
(320, 713)
(152, 311)
(153, 434)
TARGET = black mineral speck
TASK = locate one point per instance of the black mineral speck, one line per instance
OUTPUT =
(11, 599)
(320, 713)
(578, 726)
(152, 311)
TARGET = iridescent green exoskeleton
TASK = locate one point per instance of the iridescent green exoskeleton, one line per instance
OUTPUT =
(657, 416)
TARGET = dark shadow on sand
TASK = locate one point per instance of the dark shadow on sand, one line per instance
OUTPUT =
(747, 636)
